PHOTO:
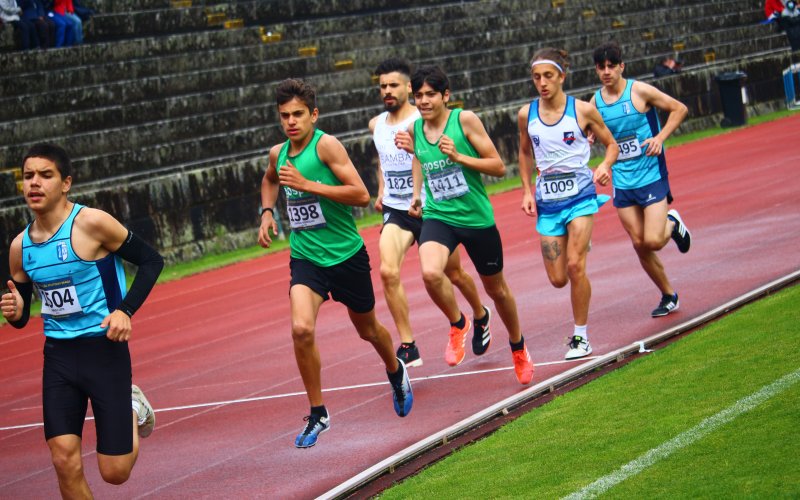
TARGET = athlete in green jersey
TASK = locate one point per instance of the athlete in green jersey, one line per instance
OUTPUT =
(452, 150)
(328, 255)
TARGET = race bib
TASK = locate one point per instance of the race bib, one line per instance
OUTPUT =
(447, 184)
(399, 184)
(629, 148)
(558, 186)
(59, 298)
(305, 213)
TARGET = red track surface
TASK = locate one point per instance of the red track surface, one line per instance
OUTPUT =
(224, 335)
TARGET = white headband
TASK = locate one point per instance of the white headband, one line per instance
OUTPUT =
(548, 61)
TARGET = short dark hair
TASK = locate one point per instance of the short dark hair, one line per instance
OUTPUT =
(294, 87)
(609, 51)
(433, 76)
(54, 153)
(394, 64)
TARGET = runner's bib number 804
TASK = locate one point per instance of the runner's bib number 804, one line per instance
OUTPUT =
(59, 298)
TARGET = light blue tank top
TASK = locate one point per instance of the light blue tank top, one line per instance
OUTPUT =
(562, 156)
(630, 127)
(76, 294)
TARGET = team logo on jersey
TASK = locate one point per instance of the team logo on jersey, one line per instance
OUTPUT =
(536, 140)
(625, 108)
(569, 138)
(61, 250)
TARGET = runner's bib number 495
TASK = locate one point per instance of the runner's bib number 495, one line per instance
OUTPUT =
(558, 186)
(305, 213)
(59, 298)
(629, 148)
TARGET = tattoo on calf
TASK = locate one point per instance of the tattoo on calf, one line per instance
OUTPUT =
(551, 251)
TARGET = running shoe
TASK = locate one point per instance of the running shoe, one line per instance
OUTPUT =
(409, 354)
(680, 233)
(578, 347)
(454, 354)
(668, 304)
(315, 425)
(481, 336)
(401, 392)
(147, 422)
(523, 366)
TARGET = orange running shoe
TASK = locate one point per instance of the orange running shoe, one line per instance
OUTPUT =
(454, 354)
(523, 366)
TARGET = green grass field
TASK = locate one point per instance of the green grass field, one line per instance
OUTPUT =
(590, 433)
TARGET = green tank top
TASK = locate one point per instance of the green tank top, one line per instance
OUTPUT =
(323, 231)
(454, 193)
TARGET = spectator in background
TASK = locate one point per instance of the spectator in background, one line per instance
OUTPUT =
(25, 30)
(773, 9)
(34, 12)
(63, 13)
(666, 66)
(82, 11)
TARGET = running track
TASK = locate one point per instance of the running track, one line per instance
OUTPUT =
(213, 351)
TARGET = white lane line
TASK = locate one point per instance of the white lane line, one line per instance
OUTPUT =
(686, 438)
(303, 393)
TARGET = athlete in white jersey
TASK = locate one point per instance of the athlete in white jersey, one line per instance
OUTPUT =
(554, 128)
(401, 230)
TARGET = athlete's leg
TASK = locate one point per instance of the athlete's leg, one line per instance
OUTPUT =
(466, 285)
(555, 259)
(305, 305)
(657, 227)
(116, 469)
(433, 259)
(634, 220)
(393, 244)
(579, 232)
(504, 303)
(65, 452)
(371, 330)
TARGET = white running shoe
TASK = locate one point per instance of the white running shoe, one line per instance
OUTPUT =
(578, 347)
(146, 427)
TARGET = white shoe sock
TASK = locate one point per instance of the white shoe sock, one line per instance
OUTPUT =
(581, 332)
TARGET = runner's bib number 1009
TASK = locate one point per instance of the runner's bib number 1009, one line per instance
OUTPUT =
(558, 186)
(305, 213)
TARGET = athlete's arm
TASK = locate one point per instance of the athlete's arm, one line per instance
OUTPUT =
(653, 97)
(16, 304)
(332, 153)
(489, 161)
(270, 185)
(415, 210)
(95, 234)
(593, 123)
(526, 162)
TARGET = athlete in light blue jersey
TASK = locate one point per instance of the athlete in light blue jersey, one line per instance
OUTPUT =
(641, 187)
(553, 130)
(71, 255)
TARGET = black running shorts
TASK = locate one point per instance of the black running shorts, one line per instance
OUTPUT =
(482, 245)
(402, 219)
(348, 282)
(82, 369)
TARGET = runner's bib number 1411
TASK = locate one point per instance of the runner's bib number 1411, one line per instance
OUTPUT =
(447, 184)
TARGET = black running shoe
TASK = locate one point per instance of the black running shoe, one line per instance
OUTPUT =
(409, 354)
(481, 336)
(668, 304)
(680, 233)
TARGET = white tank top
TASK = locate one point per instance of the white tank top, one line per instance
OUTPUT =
(398, 186)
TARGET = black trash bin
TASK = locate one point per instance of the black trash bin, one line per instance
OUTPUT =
(730, 92)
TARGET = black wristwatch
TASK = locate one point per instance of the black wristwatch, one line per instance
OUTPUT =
(261, 211)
